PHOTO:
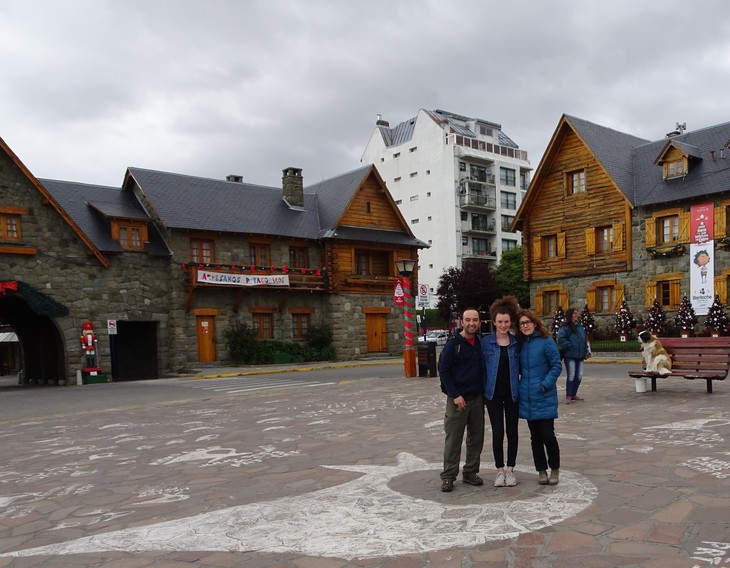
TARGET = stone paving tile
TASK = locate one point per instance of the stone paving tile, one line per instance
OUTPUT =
(651, 510)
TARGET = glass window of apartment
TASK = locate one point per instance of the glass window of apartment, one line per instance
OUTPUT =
(479, 222)
(577, 181)
(462, 166)
(478, 173)
(523, 181)
(507, 221)
(300, 325)
(201, 250)
(604, 239)
(480, 247)
(298, 257)
(259, 254)
(604, 299)
(507, 176)
(508, 244)
(464, 216)
(264, 325)
(508, 200)
(667, 229)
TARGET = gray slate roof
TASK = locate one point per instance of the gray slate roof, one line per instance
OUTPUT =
(188, 202)
(631, 162)
(90, 206)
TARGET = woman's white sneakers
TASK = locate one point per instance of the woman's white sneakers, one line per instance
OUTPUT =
(505, 479)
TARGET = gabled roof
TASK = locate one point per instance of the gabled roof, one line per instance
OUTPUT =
(52, 201)
(194, 203)
(91, 207)
(613, 149)
(709, 172)
(687, 149)
(633, 162)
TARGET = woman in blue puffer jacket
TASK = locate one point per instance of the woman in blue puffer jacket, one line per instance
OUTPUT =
(538, 401)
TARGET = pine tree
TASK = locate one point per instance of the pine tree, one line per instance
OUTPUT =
(586, 320)
(656, 320)
(624, 320)
(558, 320)
(686, 318)
(716, 317)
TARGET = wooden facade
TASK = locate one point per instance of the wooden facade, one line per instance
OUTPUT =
(573, 217)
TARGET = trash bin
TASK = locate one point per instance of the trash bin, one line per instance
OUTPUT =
(427, 359)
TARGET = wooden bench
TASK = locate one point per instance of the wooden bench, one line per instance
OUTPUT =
(705, 358)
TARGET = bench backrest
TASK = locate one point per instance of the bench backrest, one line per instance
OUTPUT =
(699, 354)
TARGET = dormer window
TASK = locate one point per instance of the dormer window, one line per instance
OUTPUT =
(675, 168)
(132, 235)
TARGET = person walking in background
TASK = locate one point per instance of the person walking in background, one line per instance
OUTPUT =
(501, 386)
(462, 380)
(572, 342)
(538, 398)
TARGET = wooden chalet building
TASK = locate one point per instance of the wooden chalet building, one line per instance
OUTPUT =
(606, 217)
(174, 260)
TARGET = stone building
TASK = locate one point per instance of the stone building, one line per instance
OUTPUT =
(609, 216)
(164, 264)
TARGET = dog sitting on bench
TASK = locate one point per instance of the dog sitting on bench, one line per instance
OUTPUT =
(656, 358)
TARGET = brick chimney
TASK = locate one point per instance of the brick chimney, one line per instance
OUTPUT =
(293, 186)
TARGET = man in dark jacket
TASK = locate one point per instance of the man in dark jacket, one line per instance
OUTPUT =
(462, 380)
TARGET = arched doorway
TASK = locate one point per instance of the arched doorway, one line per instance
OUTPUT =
(30, 314)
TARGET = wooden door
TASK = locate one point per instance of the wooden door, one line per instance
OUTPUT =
(205, 326)
(375, 329)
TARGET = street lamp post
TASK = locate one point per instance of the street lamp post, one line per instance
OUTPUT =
(405, 268)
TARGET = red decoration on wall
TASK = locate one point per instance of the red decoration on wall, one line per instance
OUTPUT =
(8, 285)
(285, 269)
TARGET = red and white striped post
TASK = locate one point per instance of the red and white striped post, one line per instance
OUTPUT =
(405, 267)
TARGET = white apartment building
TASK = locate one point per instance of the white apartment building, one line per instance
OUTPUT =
(458, 182)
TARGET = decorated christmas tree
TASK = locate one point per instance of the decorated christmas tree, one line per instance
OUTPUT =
(624, 320)
(656, 320)
(686, 318)
(558, 320)
(586, 320)
(717, 318)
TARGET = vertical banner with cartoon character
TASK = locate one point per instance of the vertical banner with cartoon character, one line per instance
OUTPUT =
(702, 257)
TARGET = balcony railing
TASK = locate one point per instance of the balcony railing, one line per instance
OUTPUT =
(469, 143)
(478, 254)
(478, 201)
(479, 228)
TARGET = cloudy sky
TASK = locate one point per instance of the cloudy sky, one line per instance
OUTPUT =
(217, 87)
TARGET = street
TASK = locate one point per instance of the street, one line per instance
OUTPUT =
(339, 467)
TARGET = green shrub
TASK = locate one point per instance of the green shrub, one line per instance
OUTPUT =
(244, 348)
(241, 341)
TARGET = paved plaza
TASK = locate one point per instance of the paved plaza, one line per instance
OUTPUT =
(346, 473)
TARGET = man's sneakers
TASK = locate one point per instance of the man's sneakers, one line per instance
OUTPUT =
(472, 479)
(447, 485)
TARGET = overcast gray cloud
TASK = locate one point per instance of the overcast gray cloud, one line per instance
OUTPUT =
(214, 87)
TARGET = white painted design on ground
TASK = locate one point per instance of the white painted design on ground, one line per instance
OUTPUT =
(217, 455)
(362, 518)
(692, 432)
